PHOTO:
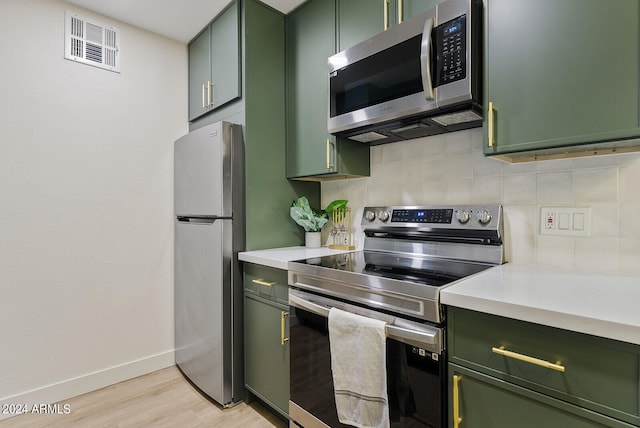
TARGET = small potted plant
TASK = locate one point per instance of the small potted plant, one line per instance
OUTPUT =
(311, 220)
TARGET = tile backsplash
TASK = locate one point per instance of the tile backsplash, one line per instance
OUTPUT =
(451, 169)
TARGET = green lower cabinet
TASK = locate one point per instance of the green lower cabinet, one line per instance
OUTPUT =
(267, 351)
(516, 373)
(481, 401)
(266, 335)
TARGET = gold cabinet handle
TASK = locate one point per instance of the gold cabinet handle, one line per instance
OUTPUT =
(262, 282)
(283, 339)
(385, 5)
(490, 129)
(209, 95)
(527, 359)
(400, 12)
(329, 163)
(457, 420)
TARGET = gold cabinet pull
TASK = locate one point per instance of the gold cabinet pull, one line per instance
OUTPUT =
(527, 359)
(457, 420)
(262, 282)
(400, 12)
(490, 129)
(283, 339)
(385, 5)
(329, 163)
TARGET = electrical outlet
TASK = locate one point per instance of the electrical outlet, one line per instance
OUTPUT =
(549, 220)
(565, 221)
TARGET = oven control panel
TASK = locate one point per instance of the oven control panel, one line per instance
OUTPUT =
(422, 215)
(450, 217)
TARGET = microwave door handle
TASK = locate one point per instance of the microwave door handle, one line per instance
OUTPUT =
(425, 59)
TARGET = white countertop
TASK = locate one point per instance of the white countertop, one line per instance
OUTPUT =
(606, 305)
(280, 257)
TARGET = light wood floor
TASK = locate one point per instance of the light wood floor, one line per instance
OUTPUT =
(159, 399)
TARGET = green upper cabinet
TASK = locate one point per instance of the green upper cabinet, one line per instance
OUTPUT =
(199, 73)
(214, 64)
(360, 19)
(560, 74)
(312, 153)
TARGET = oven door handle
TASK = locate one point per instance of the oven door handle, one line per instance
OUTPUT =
(403, 334)
(301, 303)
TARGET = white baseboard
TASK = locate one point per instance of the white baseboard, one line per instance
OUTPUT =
(73, 387)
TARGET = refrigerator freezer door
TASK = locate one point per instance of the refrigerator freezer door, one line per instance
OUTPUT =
(203, 305)
(203, 172)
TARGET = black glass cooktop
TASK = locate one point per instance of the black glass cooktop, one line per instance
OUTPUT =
(434, 272)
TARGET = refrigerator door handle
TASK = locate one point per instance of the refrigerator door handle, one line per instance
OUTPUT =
(198, 219)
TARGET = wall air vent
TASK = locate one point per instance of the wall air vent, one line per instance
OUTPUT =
(91, 43)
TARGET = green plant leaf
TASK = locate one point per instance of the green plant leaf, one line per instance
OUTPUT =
(302, 213)
(336, 205)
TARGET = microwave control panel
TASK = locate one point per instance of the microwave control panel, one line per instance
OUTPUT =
(451, 51)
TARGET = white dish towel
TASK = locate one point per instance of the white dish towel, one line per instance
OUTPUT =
(358, 364)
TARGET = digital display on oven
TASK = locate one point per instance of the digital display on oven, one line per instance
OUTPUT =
(440, 216)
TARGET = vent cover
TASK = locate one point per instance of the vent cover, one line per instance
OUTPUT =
(91, 43)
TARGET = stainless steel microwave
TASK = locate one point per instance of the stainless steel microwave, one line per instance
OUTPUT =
(422, 77)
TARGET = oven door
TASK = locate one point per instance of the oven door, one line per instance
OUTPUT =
(416, 366)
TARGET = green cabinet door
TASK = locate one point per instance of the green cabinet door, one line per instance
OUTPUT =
(560, 73)
(360, 19)
(267, 351)
(411, 8)
(311, 151)
(199, 73)
(481, 401)
(214, 64)
(225, 57)
(597, 373)
(310, 41)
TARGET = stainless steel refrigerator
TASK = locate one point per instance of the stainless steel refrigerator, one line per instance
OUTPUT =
(209, 233)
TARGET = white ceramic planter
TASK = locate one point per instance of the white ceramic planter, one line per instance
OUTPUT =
(312, 239)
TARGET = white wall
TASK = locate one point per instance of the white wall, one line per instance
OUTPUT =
(86, 232)
(451, 169)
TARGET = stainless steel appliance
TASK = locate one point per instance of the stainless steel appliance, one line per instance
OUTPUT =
(422, 77)
(409, 255)
(209, 232)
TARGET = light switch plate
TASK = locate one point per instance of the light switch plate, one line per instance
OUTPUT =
(565, 221)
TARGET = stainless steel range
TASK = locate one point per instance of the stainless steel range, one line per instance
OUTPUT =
(410, 253)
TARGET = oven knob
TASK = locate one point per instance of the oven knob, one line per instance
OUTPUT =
(383, 216)
(462, 217)
(370, 215)
(483, 217)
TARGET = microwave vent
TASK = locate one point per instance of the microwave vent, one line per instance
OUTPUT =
(368, 137)
(456, 118)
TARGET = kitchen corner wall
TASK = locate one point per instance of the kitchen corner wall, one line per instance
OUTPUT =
(451, 169)
(86, 225)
